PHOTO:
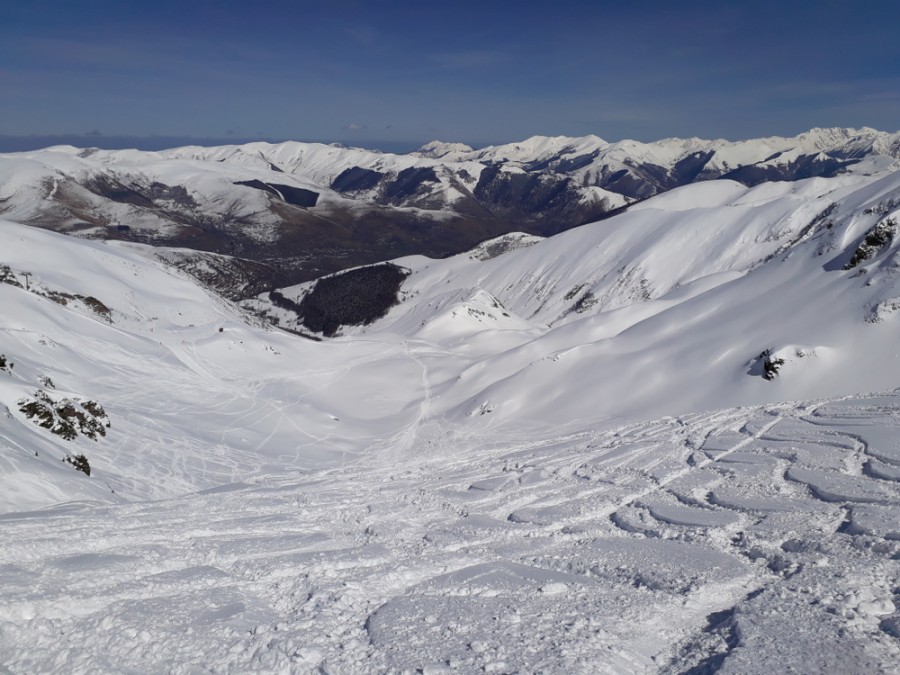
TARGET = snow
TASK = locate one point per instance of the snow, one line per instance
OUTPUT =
(560, 458)
(379, 566)
(58, 186)
(439, 149)
(677, 302)
(630, 155)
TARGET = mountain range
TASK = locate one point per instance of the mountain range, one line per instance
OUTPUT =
(661, 441)
(301, 210)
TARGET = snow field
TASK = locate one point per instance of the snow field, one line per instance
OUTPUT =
(659, 546)
(539, 461)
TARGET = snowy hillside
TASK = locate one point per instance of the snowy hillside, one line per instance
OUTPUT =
(197, 392)
(303, 209)
(307, 209)
(673, 306)
(640, 169)
(751, 540)
(649, 444)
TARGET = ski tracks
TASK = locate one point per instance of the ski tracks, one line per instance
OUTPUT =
(694, 542)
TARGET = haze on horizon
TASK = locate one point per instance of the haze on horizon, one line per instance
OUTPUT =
(395, 74)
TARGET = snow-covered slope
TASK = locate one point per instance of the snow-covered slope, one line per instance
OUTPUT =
(673, 306)
(196, 391)
(752, 540)
(709, 295)
(328, 207)
(641, 169)
(643, 445)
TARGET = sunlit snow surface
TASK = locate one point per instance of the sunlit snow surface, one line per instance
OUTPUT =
(761, 539)
(561, 459)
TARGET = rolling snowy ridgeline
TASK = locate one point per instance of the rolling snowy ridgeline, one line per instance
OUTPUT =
(307, 209)
(644, 445)
(675, 305)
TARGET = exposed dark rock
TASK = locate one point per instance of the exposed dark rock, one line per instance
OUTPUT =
(80, 462)
(882, 207)
(65, 417)
(771, 367)
(97, 307)
(873, 242)
(766, 366)
(585, 302)
(573, 291)
(7, 276)
(89, 301)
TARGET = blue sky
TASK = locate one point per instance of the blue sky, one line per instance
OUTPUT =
(395, 73)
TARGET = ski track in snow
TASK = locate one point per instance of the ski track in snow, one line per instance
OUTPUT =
(750, 540)
(349, 510)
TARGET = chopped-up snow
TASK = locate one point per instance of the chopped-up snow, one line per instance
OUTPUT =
(381, 566)
(645, 445)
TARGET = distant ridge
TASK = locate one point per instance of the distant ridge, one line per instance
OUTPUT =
(308, 209)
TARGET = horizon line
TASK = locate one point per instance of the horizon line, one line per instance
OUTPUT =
(11, 143)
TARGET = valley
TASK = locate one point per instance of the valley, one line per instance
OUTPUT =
(663, 440)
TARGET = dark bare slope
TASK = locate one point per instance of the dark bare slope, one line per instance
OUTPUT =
(353, 298)
(287, 193)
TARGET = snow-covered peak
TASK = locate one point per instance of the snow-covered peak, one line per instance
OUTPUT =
(504, 243)
(439, 150)
(831, 137)
(441, 200)
(537, 148)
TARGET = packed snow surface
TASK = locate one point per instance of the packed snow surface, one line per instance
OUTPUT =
(573, 456)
